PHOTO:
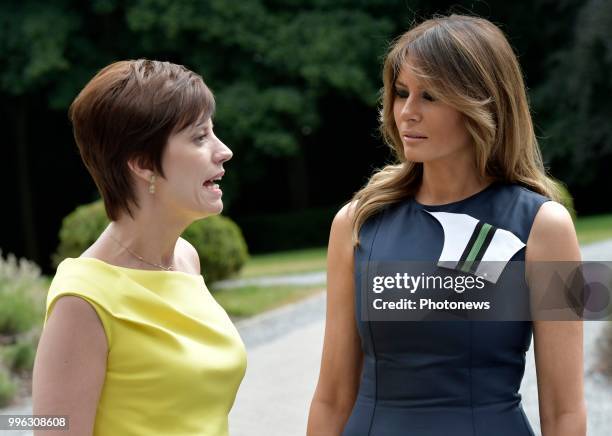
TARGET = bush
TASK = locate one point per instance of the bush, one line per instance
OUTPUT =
(79, 230)
(19, 356)
(217, 239)
(8, 387)
(22, 308)
(22, 295)
(220, 245)
(17, 313)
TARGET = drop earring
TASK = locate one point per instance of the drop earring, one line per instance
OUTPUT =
(152, 184)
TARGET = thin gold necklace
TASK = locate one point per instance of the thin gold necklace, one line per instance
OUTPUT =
(139, 257)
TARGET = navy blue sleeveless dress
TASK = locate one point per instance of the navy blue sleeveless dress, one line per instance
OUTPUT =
(441, 378)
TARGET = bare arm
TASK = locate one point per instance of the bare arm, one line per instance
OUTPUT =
(342, 356)
(558, 345)
(70, 366)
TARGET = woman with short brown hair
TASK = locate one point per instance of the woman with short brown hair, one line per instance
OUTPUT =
(133, 342)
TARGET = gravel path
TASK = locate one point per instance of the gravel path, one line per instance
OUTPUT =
(282, 373)
(284, 351)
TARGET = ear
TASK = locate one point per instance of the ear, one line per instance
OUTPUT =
(139, 170)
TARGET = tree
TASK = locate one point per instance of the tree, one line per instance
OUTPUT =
(296, 82)
(574, 100)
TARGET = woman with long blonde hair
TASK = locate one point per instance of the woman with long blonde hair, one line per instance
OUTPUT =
(468, 185)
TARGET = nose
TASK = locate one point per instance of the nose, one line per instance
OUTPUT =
(222, 154)
(411, 109)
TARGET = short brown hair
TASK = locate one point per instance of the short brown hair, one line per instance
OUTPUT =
(128, 110)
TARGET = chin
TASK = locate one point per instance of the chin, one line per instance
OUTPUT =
(411, 156)
(202, 213)
(419, 157)
(214, 209)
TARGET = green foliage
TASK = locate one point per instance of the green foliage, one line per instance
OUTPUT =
(220, 245)
(8, 387)
(19, 356)
(79, 230)
(21, 295)
(217, 239)
(572, 102)
(34, 36)
(16, 313)
(271, 64)
(22, 305)
(276, 66)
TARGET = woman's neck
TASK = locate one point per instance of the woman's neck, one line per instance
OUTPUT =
(446, 182)
(145, 241)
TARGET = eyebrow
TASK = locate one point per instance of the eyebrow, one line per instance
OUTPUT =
(202, 123)
(400, 83)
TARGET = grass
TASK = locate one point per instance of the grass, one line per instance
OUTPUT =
(594, 228)
(250, 300)
(245, 301)
(285, 262)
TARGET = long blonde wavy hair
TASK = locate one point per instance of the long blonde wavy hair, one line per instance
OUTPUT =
(467, 63)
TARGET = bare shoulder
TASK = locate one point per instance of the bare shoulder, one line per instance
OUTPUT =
(73, 309)
(189, 255)
(553, 236)
(74, 328)
(554, 214)
(552, 220)
(72, 314)
(343, 220)
(340, 247)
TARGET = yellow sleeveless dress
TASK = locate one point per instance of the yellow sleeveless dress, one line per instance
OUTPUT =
(175, 360)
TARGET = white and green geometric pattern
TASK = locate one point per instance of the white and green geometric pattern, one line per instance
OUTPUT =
(474, 246)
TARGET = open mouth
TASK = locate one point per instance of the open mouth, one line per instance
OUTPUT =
(211, 184)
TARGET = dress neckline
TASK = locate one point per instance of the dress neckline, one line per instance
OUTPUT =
(137, 271)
